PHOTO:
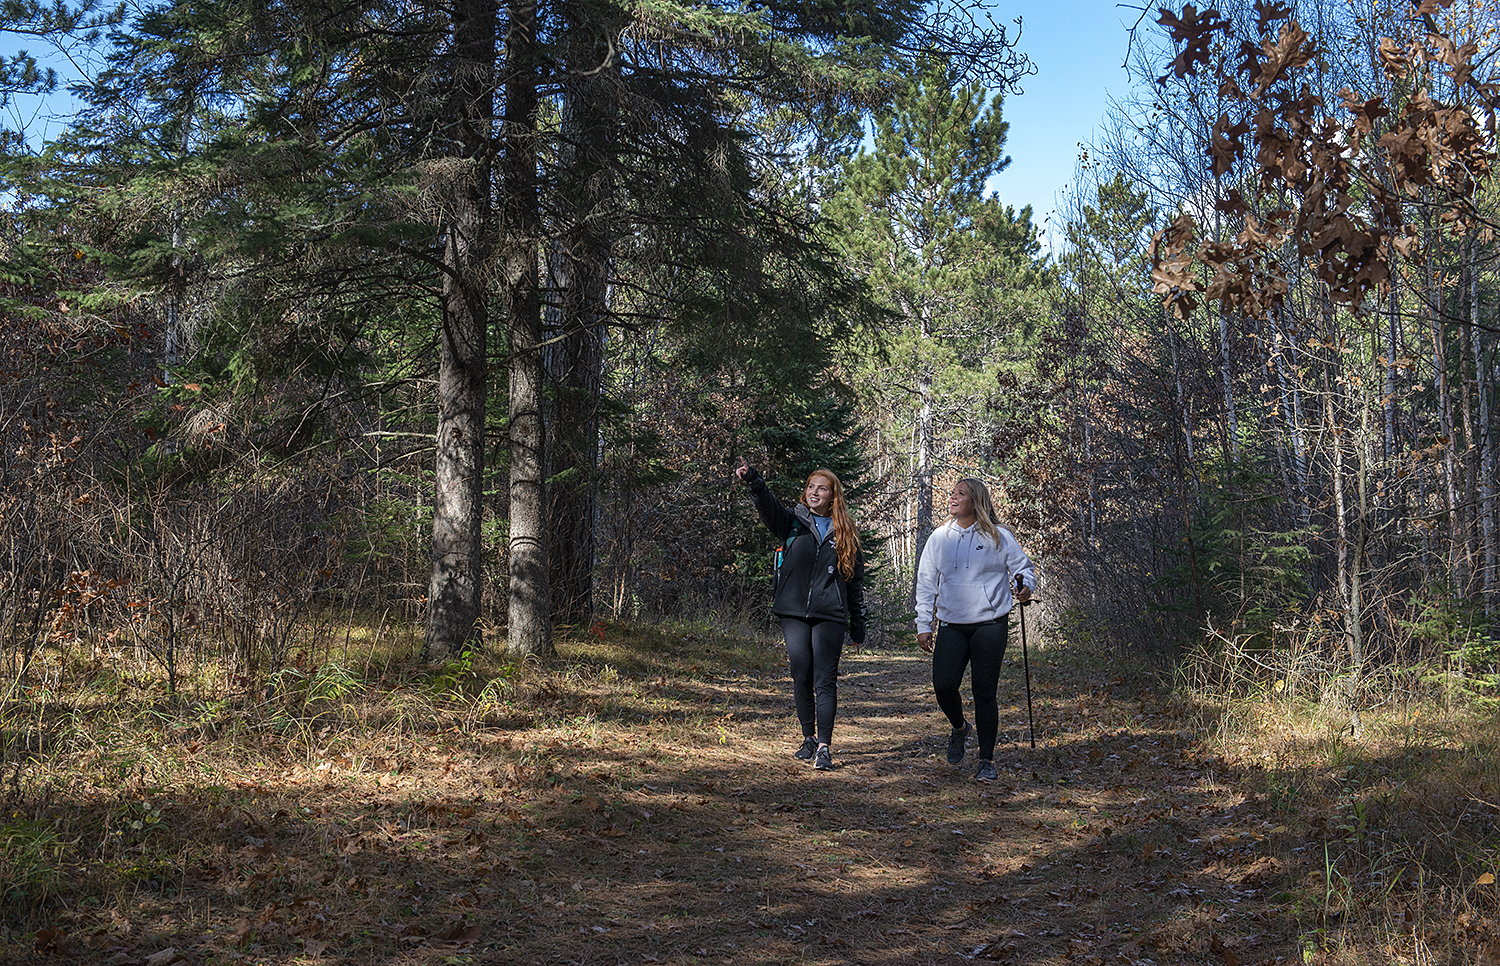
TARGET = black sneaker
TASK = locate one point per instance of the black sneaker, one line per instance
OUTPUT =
(986, 772)
(808, 749)
(956, 744)
(824, 758)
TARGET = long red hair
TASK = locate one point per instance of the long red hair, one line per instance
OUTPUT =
(845, 534)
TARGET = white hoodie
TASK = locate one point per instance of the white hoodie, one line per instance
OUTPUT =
(968, 577)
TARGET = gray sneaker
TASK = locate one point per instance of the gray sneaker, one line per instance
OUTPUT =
(824, 759)
(956, 743)
(808, 749)
(986, 772)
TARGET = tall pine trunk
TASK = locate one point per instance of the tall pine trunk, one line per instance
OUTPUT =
(581, 266)
(455, 584)
(529, 630)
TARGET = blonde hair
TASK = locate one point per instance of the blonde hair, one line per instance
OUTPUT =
(984, 507)
(845, 534)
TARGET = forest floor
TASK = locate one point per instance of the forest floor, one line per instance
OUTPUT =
(640, 804)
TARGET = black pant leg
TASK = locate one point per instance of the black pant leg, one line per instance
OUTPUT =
(950, 655)
(799, 655)
(986, 652)
(827, 648)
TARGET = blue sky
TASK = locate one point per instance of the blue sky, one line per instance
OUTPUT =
(1078, 47)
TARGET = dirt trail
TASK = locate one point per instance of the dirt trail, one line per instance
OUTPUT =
(1110, 842)
(640, 804)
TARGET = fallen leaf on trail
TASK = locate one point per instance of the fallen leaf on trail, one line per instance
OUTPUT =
(997, 949)
(51, 940)
(1225, 953)
(1262, 872)
(458, 931)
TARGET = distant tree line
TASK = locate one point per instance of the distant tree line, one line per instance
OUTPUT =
(1283, 435)
(458, 309)
(462, 313)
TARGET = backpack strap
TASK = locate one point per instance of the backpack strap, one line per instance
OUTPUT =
(780, 553)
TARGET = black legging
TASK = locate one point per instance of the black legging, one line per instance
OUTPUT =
(981, 646)
(813, 649)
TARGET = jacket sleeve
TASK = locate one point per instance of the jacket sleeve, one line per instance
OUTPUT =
(927, 583)
(857, 602)
(777, 518)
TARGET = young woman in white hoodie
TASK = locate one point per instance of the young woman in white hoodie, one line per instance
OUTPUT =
(972, 571)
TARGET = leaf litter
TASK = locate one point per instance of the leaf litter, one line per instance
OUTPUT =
(641, 805)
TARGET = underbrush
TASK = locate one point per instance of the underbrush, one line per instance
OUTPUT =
(1393, 780)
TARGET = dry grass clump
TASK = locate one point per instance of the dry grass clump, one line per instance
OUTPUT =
(1395, 782)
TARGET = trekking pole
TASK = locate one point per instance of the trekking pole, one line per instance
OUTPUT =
(1026, 662)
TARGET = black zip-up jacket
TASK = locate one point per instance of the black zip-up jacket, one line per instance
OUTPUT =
(809, 583)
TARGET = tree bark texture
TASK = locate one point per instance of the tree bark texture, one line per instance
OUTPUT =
(579, 303)
(456, 581)
(529, 626)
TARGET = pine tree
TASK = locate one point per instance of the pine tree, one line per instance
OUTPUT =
(670, 152)
(295, 184)
(952, 264)
(56, 25)
(311, 179)
(456, 582)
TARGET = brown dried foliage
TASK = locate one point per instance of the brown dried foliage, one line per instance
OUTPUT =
(1331, 180)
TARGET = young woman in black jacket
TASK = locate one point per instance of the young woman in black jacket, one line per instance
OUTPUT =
(819, 596)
